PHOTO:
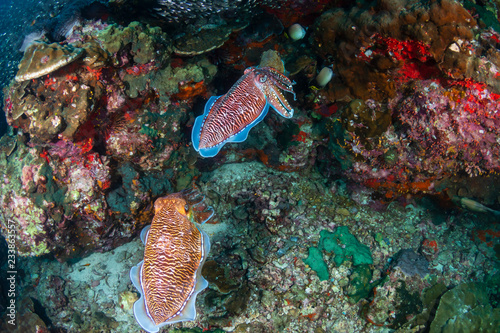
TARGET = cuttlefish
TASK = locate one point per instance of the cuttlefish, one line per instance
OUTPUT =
(229, 118)
(169, 278)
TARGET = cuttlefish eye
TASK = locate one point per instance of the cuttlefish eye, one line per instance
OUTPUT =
(183, 209)
(263, 78)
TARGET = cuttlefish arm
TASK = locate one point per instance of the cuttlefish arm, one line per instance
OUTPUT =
(273, 83)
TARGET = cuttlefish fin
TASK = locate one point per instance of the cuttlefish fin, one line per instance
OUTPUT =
(145, 233)
(140, 310)
(197, 128)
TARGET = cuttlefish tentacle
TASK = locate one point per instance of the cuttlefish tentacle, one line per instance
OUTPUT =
(279, 80)
(279, 103)
(273, 86)
(272, 82)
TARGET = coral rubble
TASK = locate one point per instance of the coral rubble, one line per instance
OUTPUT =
(257, 269)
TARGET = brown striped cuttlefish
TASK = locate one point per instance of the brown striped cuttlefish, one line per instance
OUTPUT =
(169, 278)
(230, 117)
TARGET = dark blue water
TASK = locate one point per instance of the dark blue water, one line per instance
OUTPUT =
(18, 19)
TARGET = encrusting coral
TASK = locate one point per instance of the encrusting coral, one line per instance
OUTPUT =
(438, 132)
(391, 36)
(421, 103)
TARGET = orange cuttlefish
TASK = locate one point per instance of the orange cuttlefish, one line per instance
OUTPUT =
(169, 278)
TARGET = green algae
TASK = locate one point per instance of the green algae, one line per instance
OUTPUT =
(360, 283)
(317, 264)
(343, 245)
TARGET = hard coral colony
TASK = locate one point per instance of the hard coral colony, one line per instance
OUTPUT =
(372, 206)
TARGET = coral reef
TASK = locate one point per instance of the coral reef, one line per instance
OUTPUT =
(26, 319)
(439, 132)
(16, 207)
(41, 59)
(203, 41)
(102, 126)
(257, 276)
(466, 308)
(375, 208)
(393, 37)
(135, 44)
(422, 75)
(43, 113)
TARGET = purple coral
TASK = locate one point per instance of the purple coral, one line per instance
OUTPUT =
(453, 124)
(439, 129)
